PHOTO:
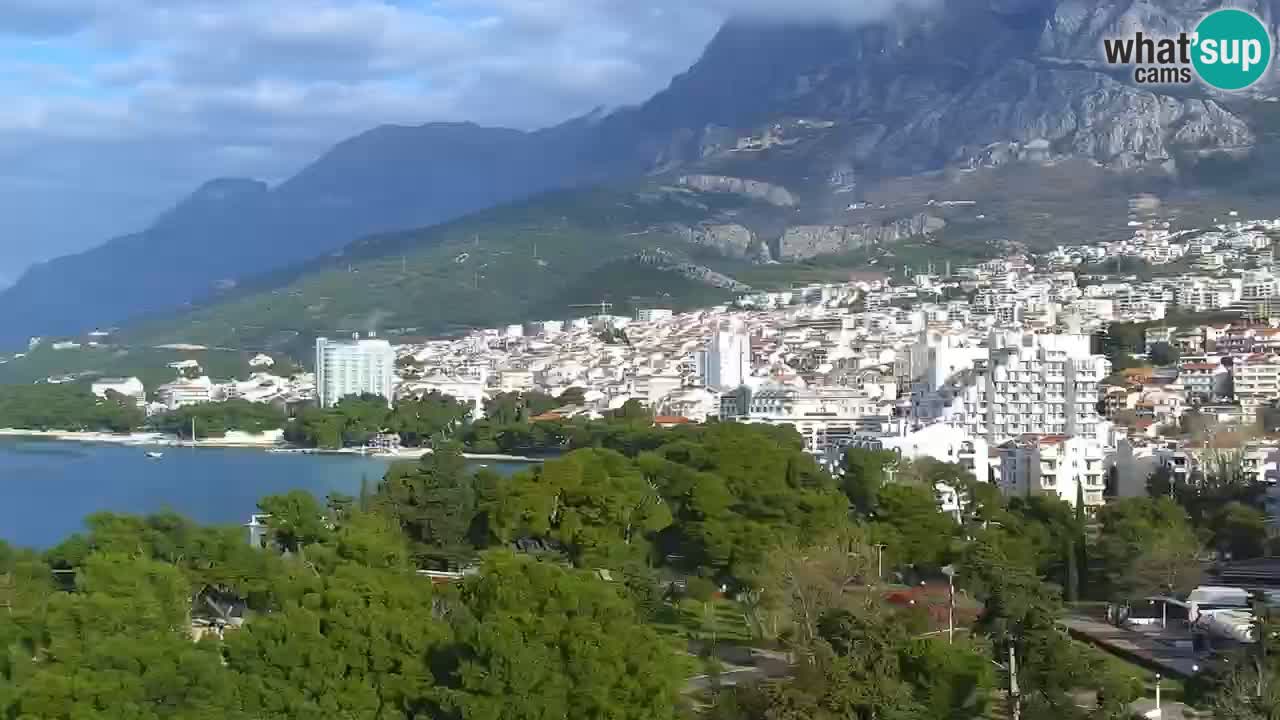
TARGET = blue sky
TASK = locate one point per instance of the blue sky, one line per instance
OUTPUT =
(114, 109)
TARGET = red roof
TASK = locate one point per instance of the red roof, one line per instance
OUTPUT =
(1044, 439)
(671, 420)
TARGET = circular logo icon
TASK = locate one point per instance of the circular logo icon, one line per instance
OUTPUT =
(1232, 49)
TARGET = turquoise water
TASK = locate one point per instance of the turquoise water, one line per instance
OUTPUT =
(48, 487)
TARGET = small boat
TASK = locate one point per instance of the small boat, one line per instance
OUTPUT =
(155, 454)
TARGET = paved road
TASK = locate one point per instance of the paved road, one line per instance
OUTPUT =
(1145, 707)
(728, 678)
(1143, 648)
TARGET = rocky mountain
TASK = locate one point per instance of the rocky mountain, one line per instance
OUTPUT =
(810, 124)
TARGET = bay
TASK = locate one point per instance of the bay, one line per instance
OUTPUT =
(48, 487)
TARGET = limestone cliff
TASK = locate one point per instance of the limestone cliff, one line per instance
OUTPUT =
(729, 240)
(805, 241)
(753, 189)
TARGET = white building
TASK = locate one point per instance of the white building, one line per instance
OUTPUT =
(515, 380)
(944, 443)
(466, 389)
(940, 442)
(652, 314)
(727, 360)
(1257, 382)
(1013, 383)
(186, 391)
(1059, 465)
(353, 367)
(129, 387)
(261, 360)
(826, 417)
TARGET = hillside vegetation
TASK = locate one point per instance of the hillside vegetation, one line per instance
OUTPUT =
(494, 267)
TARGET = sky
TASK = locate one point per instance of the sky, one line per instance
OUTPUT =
(112, 110)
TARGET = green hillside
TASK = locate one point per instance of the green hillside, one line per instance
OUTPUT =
(150, 364)
(532, 259)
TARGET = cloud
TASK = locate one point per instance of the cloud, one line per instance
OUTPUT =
(116, 108)
(46, 17)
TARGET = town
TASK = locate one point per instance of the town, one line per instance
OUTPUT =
(1010, 366)
(1050, 378)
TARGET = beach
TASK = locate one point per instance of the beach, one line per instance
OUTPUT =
(272, 441)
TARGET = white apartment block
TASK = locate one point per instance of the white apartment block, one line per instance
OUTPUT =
(825, 417)
(1011, 384)
(942, 442)
(184, 391)
(353, 367)
(1257, 285)
(1199, 380)
(1260, 463)
(1058, 465)
(469, 389)
(129, 387)
(1257, 382)
(726, 362)
(515, 380)
(653, 314)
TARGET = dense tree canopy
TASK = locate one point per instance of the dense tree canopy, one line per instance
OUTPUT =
(216, 418)
(585, 588)
(738, 490)
(596, 504)
(66, 406)
(356, 419)
(1146, 547)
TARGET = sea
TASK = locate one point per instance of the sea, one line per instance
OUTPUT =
(48, 487)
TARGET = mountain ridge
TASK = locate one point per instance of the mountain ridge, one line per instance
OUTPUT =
(826, 113)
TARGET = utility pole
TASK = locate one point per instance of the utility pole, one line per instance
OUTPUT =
(880, 562)
(1158, 712)
(1015, 701)
(950, 572)
(1260, 610)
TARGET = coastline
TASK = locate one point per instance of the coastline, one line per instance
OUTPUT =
(243, 441)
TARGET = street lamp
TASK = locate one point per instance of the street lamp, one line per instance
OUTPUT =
(950, 572)
(1157, 694)
(880, 561)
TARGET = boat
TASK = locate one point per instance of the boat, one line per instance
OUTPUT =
(155, 454)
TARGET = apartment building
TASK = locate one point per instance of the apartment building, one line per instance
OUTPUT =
(1260, 463)
(1070, 468)
(1012, 384)
(186, 391)
(726, 362)
(467, 386)
(1257, 285)
(130, 387)
(1257, 382)
(1198, 380)
(938, 441)
(826, 417)
(652, 315)
(353, 367)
